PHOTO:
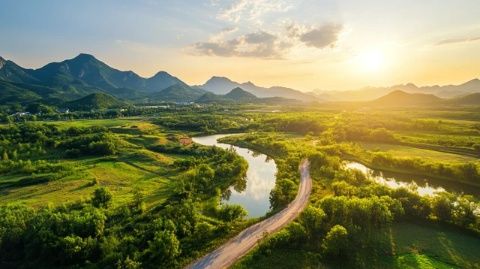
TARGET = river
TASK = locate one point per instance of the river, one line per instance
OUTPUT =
(260, 178)
(423, 185)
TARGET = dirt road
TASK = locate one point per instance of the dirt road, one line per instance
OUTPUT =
(238, 246)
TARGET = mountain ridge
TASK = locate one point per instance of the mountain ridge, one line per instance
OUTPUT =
(369, 93)
(222, 85)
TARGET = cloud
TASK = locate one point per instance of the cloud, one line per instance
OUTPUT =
(257, 44)
(263, 44)
(458, 40)
(321, 37)
(250, 10)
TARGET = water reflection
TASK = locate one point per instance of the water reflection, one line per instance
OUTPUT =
(260, 179)
(393, 182)
(424, 186)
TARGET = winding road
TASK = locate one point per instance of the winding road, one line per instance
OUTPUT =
(238, 246)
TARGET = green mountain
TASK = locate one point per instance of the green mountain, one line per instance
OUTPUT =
(160, 81)
(222, 85)
(10, 71)
(466, 100)
(240, 95)
(95, 101)
(75, 78)
(177, 93)
(85, 69)
(401, 99)
(209, 98)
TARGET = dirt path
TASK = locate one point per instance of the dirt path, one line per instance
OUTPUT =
(235, 248)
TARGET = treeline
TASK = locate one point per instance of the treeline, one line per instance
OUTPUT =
(36, 150)
(41, 112)
(205, 123)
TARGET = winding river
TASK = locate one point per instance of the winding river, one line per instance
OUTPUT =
(260, 178)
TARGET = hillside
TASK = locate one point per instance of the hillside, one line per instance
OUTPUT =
(369, 93)
(95, 101)
(80, 76)
(209, 98)
(222, 85)
(240, 95)
(401, 98)
(466, 100)
(177, 93)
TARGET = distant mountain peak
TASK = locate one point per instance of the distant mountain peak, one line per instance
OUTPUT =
(474, 81)
(249, 83)
(239, 94)
(2, 62)
(402, 98)
(84, 57)
(238, 89)
(161, 74)
(218, 79)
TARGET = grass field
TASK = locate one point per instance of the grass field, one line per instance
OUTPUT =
(133, 168)
(401, 151)
(416, 246)
(447, 245)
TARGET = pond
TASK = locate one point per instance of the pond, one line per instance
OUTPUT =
(423, 185)
(260, 178)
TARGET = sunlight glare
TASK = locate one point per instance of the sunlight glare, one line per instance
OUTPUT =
(372, 61)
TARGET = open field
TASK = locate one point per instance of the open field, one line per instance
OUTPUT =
(134, 168)
(419, 246)
(402, 151)
(444, 244)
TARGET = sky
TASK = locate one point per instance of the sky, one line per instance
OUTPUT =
(303, 44)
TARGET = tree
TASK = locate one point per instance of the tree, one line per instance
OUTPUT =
(165, 246)
(283, 193)
(231, 212)
(101, 197)
(312, 219)
(442, 207)
(5, 155)
(336, 241)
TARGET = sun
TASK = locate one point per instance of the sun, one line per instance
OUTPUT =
(372, 61)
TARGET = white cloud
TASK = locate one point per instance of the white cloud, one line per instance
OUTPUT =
(458, 40)
(258, 44)
(268, 45)
(251, 10)
(322, 36)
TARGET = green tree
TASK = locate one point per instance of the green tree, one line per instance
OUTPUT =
(231, 212)
(312, 219)
(335, 243)
(442, 207)
(165, 246)
(101, 197)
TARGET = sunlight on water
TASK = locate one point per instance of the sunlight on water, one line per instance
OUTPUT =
(393, 183)
(260, 178)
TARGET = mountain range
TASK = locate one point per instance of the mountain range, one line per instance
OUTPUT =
(61, 82)
(400, 98)
(370, 93)
(221, 85)
(239, 95)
